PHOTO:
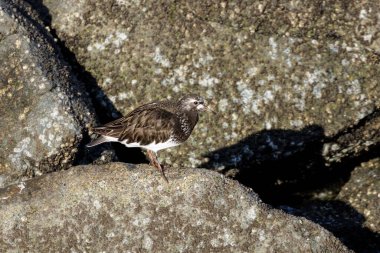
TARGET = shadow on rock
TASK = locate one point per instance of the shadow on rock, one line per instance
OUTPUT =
(103, 106)
(288, 168)
(342, 220)
(282, 166)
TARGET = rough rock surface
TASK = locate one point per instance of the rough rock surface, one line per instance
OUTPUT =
(43, 109)
(343, 220)
(362, 192)
(120, 206)
(319, 60)
(355, 140)
(353, 215)
(275, 163)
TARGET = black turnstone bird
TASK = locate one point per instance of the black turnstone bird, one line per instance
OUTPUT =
(154, 126)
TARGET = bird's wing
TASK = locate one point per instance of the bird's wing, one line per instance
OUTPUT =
(143, 125)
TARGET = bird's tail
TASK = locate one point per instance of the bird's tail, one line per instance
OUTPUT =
(97, 141)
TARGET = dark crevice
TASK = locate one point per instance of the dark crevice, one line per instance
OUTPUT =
(104, 109)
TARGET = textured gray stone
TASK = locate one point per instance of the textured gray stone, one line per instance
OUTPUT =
(309, 148)
(362, 192)
(355, 140)
(353, 214)
(343, 220)
(266, 65)
(120, 207)
(43, 109)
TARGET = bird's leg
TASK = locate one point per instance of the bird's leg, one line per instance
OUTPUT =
(153, 159)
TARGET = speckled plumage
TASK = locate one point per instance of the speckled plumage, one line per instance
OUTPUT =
(154, 126)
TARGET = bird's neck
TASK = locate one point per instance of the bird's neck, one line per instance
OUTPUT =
(193, 118)
(188, 120)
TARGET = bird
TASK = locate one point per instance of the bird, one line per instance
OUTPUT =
(154, 126)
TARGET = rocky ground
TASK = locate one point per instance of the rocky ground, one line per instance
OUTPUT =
(296, 88)
(118, 206)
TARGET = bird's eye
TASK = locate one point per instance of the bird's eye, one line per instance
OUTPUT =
(196, 102)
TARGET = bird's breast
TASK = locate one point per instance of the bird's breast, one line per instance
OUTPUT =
(184, 126)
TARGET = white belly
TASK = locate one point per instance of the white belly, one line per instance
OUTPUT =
(152, 146)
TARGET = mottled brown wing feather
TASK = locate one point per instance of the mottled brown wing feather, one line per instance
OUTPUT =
(116, 127)
(145, 124)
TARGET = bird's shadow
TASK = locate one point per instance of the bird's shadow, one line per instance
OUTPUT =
(287, 169)
(277, 164)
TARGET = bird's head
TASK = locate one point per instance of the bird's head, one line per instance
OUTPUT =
(193, 103)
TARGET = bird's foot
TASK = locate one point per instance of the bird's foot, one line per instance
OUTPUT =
(158, 166)
(154, 162)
